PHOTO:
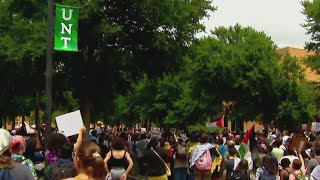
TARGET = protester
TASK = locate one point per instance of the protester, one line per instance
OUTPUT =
(269, 168)
(118, 160)
(314, 162)
(17, 148)
(55, 143)
(241, 171)
(180, 161)
(298, 167)
(277, 151)
(140, 150)
(286, 169)
(203, 152)
(9, 169)
(155, 158)
(315, 174)
(88, 162)
(291, 155)
(231, 163)
(64, 167)
(191, 146)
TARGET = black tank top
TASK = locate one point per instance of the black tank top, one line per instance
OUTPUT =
(118, 163)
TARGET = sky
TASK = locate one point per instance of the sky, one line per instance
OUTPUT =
(280, 19)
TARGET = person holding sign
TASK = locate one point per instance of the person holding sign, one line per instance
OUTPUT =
(87, 160)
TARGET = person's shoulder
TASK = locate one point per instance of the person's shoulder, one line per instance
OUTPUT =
(20, 167)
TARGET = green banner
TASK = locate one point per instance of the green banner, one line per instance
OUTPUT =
(66, 28)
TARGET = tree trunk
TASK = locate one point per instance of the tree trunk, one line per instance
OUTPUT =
(85, 105)
(13, 123)
(36, 112)
(4, 123)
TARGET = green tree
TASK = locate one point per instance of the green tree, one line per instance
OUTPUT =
(21, 55)
(120, 41)
(240, 65)
(312, 12)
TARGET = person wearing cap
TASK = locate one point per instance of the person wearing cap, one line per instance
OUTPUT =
(9, 169)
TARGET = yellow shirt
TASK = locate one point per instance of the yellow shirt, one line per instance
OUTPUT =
(191, 146)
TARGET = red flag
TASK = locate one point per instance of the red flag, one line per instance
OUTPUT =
(217, 123)
(220, 122)
(247, 136)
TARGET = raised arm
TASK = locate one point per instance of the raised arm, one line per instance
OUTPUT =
(80, 137)
(303, 167)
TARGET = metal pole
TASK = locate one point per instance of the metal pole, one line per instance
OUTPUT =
(49, 68)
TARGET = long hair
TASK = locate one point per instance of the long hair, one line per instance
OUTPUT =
(243, 165)
(92, 163)
(269, 164)
(5, 160)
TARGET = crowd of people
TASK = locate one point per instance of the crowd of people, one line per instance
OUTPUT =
(130, 153)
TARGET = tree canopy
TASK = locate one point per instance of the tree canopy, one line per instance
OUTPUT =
(141, 61)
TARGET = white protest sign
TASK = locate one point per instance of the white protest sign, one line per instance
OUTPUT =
(143, 130)
(315, 127)
(28, 128)
(69, 124)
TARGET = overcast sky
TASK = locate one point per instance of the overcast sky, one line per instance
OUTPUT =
(280, 19)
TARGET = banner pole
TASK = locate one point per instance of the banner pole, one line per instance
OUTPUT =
(49, 69)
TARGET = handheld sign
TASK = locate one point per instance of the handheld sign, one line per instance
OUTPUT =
(298, 143)
(69, 124)
(315, 127)
(143, 130)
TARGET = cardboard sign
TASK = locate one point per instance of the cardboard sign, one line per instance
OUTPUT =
(298, 143)
(315, 127)
(69, 124)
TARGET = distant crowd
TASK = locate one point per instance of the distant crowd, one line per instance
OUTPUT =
(105, 152)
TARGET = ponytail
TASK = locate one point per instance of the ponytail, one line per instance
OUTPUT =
(92, 162)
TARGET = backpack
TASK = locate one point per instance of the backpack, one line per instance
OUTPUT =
(266, 175)
(237, 175)
(204, 162)
(301, 176)
(62, 171)
(231, 166)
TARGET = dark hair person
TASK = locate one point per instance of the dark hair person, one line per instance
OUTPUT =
(9, 169)
(241, 170)
(118, 160)
(156, 169)
(64, 164)
(88, 162)
(269, 167)
(55, 143)
(287, 170)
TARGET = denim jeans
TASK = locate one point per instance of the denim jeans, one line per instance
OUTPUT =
(191, 173)
(180, 173)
